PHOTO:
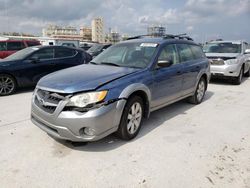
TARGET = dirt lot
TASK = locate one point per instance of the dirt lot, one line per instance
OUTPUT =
(179, 146)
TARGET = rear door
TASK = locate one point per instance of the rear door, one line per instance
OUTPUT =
(14, 46)
(3, 49)
(191, 62)
(167, 80)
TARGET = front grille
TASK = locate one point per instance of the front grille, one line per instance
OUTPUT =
(47, 101)
(217, 62)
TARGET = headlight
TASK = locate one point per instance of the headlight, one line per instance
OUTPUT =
(84, 99)
(231, 61)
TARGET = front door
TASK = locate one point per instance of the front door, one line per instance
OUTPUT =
(167, 80)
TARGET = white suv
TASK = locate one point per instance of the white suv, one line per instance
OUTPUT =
(229, 59)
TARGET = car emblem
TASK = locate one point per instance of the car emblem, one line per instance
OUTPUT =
(42, 102)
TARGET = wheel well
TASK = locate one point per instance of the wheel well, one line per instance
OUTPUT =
(145, 100)
(205, 77)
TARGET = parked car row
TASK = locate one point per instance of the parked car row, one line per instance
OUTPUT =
(120, 86)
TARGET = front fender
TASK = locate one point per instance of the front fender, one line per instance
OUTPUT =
(133, 88)
(129, 90)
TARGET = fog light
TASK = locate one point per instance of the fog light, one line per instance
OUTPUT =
(89, 131)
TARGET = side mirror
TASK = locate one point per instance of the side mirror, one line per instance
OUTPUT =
(247, 51)
(34, 60)
(164, 63)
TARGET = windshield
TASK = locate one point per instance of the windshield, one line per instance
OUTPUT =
(21, 54)
(135, 55)
(95, 47)
(227, 47)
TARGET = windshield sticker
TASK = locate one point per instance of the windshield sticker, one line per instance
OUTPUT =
(149, 45)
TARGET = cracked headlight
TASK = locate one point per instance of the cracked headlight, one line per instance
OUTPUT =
(231, 61)
(85, 99)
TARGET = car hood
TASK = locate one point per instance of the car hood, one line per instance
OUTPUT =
(223, 56)
(83, 78)
(5, 63)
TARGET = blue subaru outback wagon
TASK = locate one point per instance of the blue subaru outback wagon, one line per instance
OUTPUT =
(119, 88)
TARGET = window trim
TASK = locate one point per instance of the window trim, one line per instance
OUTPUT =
(59, 58)
(65, 57)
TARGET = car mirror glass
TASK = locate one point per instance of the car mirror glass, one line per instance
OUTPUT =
(164, 63)
(34, 60)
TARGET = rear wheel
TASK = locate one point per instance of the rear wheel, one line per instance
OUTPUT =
(238, 79)
(199, 92)
(131, 119)
(7, 85)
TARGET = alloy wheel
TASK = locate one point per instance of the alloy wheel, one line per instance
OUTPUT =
(7, 85)
(200, 90)
(134, 118)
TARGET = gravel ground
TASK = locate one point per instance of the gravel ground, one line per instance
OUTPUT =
(180, 146)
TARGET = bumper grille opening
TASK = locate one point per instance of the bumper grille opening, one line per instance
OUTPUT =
(47, 101)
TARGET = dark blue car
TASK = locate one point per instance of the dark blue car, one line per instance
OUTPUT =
(119, 87)
(27, 66)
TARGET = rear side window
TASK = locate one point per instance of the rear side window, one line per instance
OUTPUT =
(47, 53)
(197, 52)
(185, 52)
(63, 52)
(32, 43)
(13, 46)
(3, 46)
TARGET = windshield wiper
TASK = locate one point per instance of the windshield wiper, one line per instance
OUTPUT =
(108, 63)
(94, 63)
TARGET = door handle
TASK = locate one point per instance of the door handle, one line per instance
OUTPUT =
(52, 64)
(178, 72)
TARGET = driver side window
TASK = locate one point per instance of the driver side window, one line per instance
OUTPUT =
(169, 53)
(44, 54)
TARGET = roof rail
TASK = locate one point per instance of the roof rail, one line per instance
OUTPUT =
(180, 36)
(166, 36)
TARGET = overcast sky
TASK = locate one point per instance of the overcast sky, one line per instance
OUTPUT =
(201, 19)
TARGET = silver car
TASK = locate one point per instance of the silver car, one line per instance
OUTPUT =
(229, 59)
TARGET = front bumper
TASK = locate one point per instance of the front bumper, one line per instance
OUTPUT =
(225, 70)
(69, 125)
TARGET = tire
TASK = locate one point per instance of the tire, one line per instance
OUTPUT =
(238, 79)
(7, 85)
(247, 73)
(131, 119)
(199, 94)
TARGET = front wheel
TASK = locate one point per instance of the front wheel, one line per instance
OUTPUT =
(7, 85)
(238, 79)
(247, 73)
(199, 92)
(131, 119)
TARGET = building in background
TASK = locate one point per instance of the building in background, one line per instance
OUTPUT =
(112, 37)
(51, 30)
(156, 31)
(86, 33)
(98, 30)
